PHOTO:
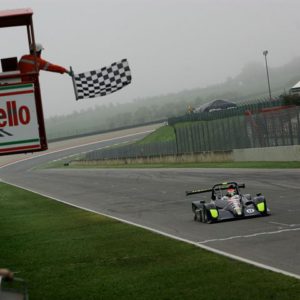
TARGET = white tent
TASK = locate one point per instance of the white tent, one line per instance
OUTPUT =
(295, 90)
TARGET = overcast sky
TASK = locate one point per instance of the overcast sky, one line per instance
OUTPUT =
(171, 45)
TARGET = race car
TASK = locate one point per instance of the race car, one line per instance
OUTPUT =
(227, 202)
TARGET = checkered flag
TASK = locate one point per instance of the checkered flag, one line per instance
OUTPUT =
(102, 82)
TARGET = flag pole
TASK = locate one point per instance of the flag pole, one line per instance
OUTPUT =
(74, 84)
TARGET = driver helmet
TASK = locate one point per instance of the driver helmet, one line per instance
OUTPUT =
(230, 192)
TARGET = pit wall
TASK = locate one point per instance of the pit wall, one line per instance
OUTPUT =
(279, 153)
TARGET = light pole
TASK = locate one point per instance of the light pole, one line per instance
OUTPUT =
(265, 53)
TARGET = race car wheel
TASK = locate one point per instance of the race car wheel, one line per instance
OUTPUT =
(265, 213)
(204, 218)
(201, 216)
(197, 215)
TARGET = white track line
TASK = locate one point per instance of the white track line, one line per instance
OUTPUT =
(283, 224)
(248, 236)
(223, 253)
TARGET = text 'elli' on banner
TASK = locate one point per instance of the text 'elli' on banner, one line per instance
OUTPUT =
(103, 81)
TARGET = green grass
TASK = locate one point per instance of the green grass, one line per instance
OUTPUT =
(162, 134)
(67, 253)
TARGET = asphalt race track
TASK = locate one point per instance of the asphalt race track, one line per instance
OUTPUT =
(155, 198)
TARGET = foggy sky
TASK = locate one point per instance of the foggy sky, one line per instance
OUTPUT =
(171, 45)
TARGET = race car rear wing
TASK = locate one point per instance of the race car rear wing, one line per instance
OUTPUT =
(187, 193)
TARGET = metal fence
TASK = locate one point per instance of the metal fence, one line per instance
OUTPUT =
(213, 135)
(270, 127)
(134, 151)
(265, 126)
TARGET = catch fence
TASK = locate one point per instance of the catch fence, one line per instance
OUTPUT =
(134, 151)
(263, 124)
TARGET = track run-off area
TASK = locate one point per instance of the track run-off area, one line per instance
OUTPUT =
(155, 199)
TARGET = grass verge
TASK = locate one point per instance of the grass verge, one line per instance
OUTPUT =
(162, 134)
(67, 253)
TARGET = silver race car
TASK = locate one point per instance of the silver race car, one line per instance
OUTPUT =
(227, 202)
